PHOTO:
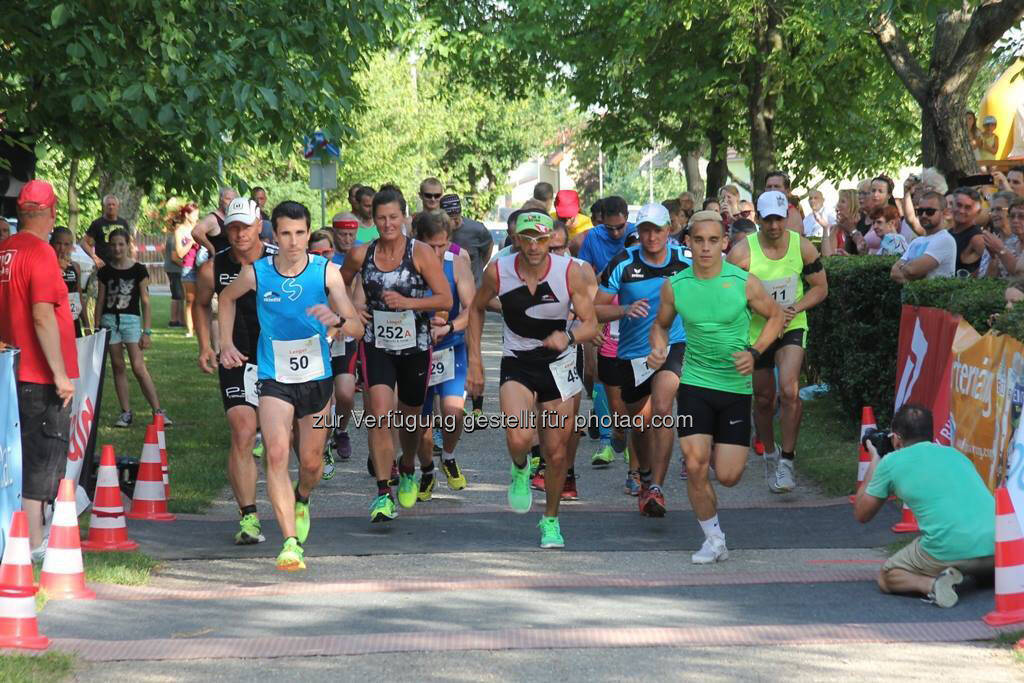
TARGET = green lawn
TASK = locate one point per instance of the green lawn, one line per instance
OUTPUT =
(827, 447)
(44, 668)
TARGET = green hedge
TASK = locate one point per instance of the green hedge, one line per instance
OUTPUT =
(854, 334)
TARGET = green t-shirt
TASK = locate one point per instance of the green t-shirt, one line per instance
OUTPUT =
(716, 318)
(366, 234)
(954, 508)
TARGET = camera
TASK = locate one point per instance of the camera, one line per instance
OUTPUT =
(881, 439)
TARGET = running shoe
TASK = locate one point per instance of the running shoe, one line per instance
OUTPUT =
(426, 487)
(682, 473)
(785, 480)
(537, 480)
(408, 490)
(550, 533)
(393, 481)
(519, 497)
(453, 475)
(438, 439)
(342, 445)
(771, 470)
(163, 413)
(383, 509)
(633, 483)
(534, 464)
(943, 592)
(291, 557)
(604, 457)
(125, 420)
(712, 551)
(652, 502)
(569, 491)
(39, 554)
(477, 412)
(328, 465)
(302, 521)
(258, 449)
(249, 530)
(758, 447)
(625, 456)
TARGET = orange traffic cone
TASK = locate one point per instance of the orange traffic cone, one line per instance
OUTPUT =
(908, 523)
(867, 421)
(1009, 564)
(63, 576)
(106, 526)
(16, 567)
(161, 440)
(150, 501)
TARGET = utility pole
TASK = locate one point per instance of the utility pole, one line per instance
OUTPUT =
(600, 172)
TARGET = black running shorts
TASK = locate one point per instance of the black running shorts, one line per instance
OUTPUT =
(407, 374)
(45, 433)
(791, 338)
(722, 414)
(673, 363)
(308, 398)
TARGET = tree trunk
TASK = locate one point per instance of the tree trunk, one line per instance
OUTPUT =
(73, 208)
(760, 98)
(718, 164)
(128, 194)
(951, 149)
(691, 167)
(762, 146)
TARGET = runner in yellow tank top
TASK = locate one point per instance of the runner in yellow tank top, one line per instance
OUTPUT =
(784, 261)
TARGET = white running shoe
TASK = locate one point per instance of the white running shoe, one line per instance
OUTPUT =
(771, 469)
(785, 481)
(712, 551)
(943, 591)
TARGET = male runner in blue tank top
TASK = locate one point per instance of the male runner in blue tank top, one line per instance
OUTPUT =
(301, 304)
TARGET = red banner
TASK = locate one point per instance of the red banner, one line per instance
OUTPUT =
(924, 362)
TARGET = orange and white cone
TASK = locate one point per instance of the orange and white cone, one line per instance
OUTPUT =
(63, 576)
(150, 500)
(867, 421)
(907, 524)
(161, 440)
(106, 525)
(1009, 564)
(16, 567)
(18, 626)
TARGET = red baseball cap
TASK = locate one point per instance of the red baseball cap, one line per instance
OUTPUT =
(37, 193)
(567, 203)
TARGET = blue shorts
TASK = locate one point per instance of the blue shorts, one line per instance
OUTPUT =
(124, 328)
(452, 387)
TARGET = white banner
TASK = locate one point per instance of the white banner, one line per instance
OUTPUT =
(85, 408)
(1015, 473)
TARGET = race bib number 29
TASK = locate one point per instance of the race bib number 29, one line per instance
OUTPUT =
(442, 366)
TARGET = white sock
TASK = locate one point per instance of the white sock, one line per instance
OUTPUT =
(711, 528)
(446, 456)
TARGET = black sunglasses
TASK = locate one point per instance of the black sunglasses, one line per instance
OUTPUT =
(928, 211)
(430, 195)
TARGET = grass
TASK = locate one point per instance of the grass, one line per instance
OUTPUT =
(1009, 639)
(827, 446)
(47, 667)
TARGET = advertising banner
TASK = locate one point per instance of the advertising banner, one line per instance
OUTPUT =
(85, 410)
(923, 363)
(10, 445)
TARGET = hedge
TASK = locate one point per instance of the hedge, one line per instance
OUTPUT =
(854, 333)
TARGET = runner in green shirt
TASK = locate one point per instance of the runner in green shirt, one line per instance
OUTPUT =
(715, 300)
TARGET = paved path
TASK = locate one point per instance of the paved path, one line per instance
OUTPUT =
(459, 585)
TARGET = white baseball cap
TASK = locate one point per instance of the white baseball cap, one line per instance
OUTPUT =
(242, 210)
(655, 214)
(772, 203)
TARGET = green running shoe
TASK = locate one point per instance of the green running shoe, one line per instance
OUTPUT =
(249, 530)
(550, 533)
(519, 497)
(534, 465)
(383, 509)
(301, 521)
(291, 557)
(625, 456)
(604, 457)
(259, 449)
(408, 489)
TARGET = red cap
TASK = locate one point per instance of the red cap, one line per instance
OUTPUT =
(567, 204)
(37, 193)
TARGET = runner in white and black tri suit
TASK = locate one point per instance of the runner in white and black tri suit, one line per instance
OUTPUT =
(539, 375)
(398, 275)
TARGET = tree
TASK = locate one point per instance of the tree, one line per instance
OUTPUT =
(959, 40)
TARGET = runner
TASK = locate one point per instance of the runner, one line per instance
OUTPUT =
(715, 300)
(539, 375)
(447, 380)
(209, 232)
(636, 276)
(242, 225)
(783, 260)
(397, 274)
(293, 290)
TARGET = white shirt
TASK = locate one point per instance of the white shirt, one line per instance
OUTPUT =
(811, 226)
(940, 246)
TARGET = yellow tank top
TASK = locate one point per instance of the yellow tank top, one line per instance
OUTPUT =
(782, 279)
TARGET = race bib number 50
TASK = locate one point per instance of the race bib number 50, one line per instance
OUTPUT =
(298, 361)
(567, 379)
(394, 330)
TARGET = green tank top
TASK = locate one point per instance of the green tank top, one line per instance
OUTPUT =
(716, 318)
(782, 279)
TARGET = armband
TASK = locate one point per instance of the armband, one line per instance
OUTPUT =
(813, 267)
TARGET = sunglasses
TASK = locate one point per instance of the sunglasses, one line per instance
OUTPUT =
(746, 214)
(928, 212)
(540, 239)
(322, 252)
(430, 195)
(615, 228)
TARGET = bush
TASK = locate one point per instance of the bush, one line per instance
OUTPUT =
(973, 299)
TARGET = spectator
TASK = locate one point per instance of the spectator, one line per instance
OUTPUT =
(885, 223)
(209, 231)
(183, 222)
(545, 193)
(712, 204)
(951, 502)
(932, 255)
(352, 201)
(1013, 181)
(431, 191)
(779, 181)
(567, 208)
(819, 218)
(686, 203)
(970, 244)
(988, 144)
(471, 235)
(973, 134)
(995, 233)
(1004, 248)
(746, 210)
(63, 242)
(678, 218)
(363, 209)
(259, 195)
(844, 237)
(172, 267)
(94, 242)
(879, 195)
(37, 320)
(729, 200)
(5, 229)
(598, 246)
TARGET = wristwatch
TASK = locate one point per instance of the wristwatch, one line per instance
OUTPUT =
(451, 327)
(571, 336)
(754, 353)
(148, 333)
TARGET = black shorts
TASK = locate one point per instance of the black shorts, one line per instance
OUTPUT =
(609, 372)
(407, 374)
(345, 364)
(791, 338)
(535, 375)
(722, 414)
(673, 364)
(308, 398)
(177, 291)
(45, 432)
(239, 386)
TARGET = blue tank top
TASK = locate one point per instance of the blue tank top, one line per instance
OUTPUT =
(454, 338)
(293, 345)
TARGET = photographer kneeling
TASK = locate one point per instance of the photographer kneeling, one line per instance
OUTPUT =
(954, 508)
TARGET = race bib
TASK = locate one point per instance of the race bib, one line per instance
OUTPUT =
(641, 370)
(250, 379)
(783, 290)
(75, 299)
(394, 330)
(613, 330)
(298, 361)
(567, 379)
(442, 366)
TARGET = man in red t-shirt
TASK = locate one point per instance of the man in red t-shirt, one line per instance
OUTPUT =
(37, 320)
